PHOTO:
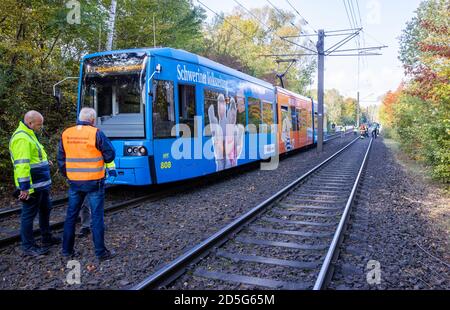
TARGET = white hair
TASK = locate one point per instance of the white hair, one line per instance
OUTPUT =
(87, 115)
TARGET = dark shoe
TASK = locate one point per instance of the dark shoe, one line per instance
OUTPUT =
(51, 241)
(84, 232)
(74, 254)
(108, 255)
(35, 252)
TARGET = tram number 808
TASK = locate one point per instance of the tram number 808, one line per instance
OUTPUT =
(166, 165)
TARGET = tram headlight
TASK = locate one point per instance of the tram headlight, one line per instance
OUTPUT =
(135, 150)
(142, 151)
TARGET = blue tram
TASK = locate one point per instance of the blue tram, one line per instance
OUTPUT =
(173, 115)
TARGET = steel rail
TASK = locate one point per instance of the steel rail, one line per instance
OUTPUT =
(61, 201)
(324, 271)
(58, 225)
(56, 203)
(336, 135)
(18, 210)
(175, 268)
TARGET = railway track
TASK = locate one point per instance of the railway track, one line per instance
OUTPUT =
(287, 242)
(56, 203)
(158, 194)
(11, 236)
(15, 211)
(55, 226)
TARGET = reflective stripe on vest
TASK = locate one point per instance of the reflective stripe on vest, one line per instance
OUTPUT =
(41, 164)
(32, 172)
(84, 162)
(21, 161)
(41, 184)
(85, 169)
(37, 145)
(110, 166)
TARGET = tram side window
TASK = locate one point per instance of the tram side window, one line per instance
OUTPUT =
(286, 125)
(267, 116)
(295, 116)
(316, 121)
(254, 113)
(186, 106)
(304, 118)
(212, 99)
(163, 109)
(241, 116)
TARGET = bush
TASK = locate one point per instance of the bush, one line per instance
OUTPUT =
(389, 133)
(422, 129)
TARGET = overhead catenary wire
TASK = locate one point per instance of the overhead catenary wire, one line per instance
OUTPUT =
(355, 55)
(284, 15)
(352, 12)
(348, 15)
(221, 17)
(265, 25)
(302, 32)
(358, 21)
(362, 49)
(298, 13)
(349, 10)
(342, 30)
(244, 34)
(287, 18)
(355, 22)
(254, 16)
(305, 21)
(373, 38)
(363, 33)
(358, 39)
(336, 46)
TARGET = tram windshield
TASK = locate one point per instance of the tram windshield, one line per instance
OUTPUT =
(114, 85)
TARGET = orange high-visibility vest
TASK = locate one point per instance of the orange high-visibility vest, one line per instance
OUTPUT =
(84, 162)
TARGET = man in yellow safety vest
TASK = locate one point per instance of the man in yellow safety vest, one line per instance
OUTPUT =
(32, 180)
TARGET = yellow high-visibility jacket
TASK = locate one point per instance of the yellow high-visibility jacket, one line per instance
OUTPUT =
(31, 168)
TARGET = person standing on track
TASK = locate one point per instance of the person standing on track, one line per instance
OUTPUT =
(32, 180)
(85, 216)
(85, 212)
(374, 131)
(83, 152)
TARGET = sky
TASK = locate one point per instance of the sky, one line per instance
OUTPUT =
(383, 22)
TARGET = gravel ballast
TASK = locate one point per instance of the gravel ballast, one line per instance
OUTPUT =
(395, 239)
(393, 223)
(152, 234)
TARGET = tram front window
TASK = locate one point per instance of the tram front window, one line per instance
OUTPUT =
(114, 85)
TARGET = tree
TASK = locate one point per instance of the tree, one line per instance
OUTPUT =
(178, 24)
(239, 40)
(38, 47)
(334, 102)
(111, 25)
(348, 113)
(422, 110)
(386, 113)
(339, 111)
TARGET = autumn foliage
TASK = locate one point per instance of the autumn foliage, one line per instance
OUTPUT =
(418, 112)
